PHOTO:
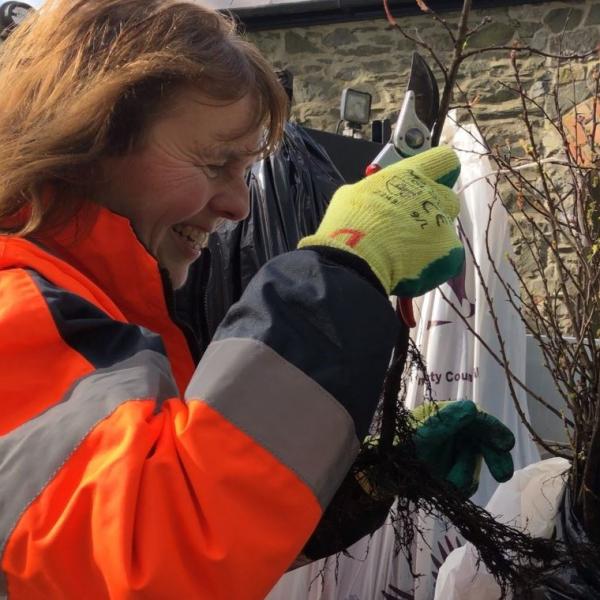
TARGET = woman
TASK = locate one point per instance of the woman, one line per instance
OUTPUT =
(127, 467)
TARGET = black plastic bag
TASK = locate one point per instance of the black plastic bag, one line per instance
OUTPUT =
(571, 583)
(289, 192)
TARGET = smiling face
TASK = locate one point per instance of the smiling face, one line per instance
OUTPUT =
(187, 177)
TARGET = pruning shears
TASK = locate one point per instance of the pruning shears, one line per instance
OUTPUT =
(411, 135)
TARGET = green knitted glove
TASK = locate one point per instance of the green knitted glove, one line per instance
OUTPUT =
(453, 439)
(401, 222)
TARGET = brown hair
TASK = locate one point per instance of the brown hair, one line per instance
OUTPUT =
(81, 79)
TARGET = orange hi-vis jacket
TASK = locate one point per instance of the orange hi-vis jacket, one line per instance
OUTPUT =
(128, 471)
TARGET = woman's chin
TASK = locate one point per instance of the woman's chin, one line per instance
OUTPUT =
(178, 274)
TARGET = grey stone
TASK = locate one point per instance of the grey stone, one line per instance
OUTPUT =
(525, 29)
(348, 73)
(571, 95)
(522, 12)
(492, 34)
(437, 39)
(579, 41)
(296, 43)
(264, 36)
(497, 92)
(339, 37)
(364, 28)
(539, 89)
(571, 72)
(317, 87)
(563, 19)
(384, 39)
(539, 40)
(593, 17)
(487, 68)
(378, 66)
(269, 45)
(552, 143)
(364, 50)
(310, 69)
(530, 65)
(508, 110)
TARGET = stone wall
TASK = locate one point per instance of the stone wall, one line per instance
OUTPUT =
(371, 56)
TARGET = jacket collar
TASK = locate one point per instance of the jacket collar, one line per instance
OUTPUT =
(104, 248)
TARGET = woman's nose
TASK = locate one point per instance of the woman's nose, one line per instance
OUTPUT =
(232, 202)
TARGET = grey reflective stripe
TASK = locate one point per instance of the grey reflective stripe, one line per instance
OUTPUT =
(281, 408)
(31, 455)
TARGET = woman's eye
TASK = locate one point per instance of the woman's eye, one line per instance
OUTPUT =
(213, 171)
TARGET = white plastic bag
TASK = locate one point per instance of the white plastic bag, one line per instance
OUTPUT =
(529, 501)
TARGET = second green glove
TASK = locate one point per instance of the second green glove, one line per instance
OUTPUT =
(452, 438)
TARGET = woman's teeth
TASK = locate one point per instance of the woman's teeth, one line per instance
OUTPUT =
(196, 238)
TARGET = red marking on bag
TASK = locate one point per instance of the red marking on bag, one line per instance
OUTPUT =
(354, 236)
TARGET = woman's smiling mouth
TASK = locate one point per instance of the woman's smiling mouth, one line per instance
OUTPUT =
(195, 238)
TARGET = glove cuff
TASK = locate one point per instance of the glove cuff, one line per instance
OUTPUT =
(327, 241)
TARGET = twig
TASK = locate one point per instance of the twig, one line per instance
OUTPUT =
(457, 59)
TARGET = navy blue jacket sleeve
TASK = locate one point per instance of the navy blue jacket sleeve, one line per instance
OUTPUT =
(327, 318)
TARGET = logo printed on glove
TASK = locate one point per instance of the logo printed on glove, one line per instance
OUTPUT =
(411, 186)
(354, 236)
(406, 187)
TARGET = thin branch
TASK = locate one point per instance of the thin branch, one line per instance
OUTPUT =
(457, 59)
(530, 50)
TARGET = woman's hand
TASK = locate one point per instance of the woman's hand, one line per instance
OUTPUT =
(401, 222)
(453, 437)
